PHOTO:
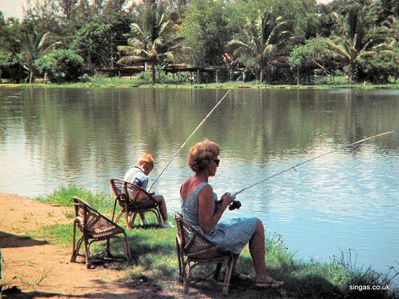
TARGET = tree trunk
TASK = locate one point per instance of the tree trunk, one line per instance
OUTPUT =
(153, 74)
(261, 73)
(30, 76)
(353, 71)
(89, 64)
(297, 76)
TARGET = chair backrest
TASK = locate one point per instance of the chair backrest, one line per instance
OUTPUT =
(90, 218)
(192, 243)
(130, 193)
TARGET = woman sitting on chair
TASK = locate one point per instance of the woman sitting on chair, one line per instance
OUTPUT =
(201, 209)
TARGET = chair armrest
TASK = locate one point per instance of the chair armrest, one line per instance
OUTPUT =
(79, 222)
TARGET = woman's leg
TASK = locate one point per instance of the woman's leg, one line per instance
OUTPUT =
(257, 250)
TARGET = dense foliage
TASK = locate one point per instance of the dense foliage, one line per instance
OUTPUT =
(284, 41)
(60, 65)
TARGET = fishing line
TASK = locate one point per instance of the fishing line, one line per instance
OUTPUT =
(314, 158)
(195, 130)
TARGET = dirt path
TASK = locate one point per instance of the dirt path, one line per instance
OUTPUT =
(43, 270)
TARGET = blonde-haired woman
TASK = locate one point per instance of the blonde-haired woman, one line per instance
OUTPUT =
(201, 210)
(138, 175)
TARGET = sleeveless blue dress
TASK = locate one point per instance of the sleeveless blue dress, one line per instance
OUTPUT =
(232, 235)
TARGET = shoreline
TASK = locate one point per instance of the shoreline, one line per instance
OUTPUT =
(135, 82)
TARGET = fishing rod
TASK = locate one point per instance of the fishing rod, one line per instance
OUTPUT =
(236, 204)
(195, 130)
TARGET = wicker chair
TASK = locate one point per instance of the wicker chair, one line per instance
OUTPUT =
(133, 200)
(94, 226)
(193, 250)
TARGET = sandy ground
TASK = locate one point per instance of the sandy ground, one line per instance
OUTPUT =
(43, 270)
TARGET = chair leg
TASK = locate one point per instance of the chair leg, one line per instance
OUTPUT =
(113, 212)
(227, 276)
(107, 249)
(73, 257)
(119, 216)
(158, 214)
(77, 248)
(87, 249)
(132, 219)
(217, 271)
(186, 278)
(127, 218)
(127, 249)
(75, 245)
(180, 259)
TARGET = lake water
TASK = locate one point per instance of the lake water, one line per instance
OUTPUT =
(345, 202)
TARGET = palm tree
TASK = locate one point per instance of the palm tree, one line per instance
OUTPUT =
(34, 45)
(357, 37)
(155, 46)
(262, 38)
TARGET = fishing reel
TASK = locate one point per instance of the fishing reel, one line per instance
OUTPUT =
(236, 204)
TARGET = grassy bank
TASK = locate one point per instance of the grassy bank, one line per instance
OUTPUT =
(155, 261)
(138, 82)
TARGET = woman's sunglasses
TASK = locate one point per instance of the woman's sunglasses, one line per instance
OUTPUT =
(217, 161)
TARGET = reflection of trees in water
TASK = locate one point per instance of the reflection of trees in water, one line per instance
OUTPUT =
(273, 122)
(103, 129)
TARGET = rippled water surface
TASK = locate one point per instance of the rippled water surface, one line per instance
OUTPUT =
(346, 201)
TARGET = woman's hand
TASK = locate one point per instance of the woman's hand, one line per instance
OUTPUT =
(228, 198)
(208, 215)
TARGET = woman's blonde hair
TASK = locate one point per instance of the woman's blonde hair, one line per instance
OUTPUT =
(202, 154)
(146, 159)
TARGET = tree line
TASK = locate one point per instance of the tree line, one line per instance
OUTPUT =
(272, 41)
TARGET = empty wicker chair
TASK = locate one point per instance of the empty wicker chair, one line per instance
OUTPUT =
(133, 200)
(193, 249)
(94, 226)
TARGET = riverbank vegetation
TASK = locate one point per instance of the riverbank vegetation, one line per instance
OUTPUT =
(137, 81)
(155, 258)
(284, 42)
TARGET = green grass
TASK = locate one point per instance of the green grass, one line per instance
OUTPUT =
(155, 261)
(63, 196)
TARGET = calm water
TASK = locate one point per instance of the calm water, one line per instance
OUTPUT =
(345, 201)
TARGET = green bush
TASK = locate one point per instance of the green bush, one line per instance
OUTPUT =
(61, 65)
(11, 66)
(378, 68)
(313, 55)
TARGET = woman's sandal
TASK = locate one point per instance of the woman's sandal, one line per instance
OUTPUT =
(274, 284)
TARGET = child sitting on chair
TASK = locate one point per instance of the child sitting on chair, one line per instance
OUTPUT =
(138, 175)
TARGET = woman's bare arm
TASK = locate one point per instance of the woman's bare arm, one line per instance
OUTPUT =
(208, 215)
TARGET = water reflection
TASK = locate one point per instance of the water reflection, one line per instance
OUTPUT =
(348, 199)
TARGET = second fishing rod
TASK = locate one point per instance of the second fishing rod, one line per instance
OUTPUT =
(189, 137)
(237, 204)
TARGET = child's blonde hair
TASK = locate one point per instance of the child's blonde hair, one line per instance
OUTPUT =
(146, 159)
